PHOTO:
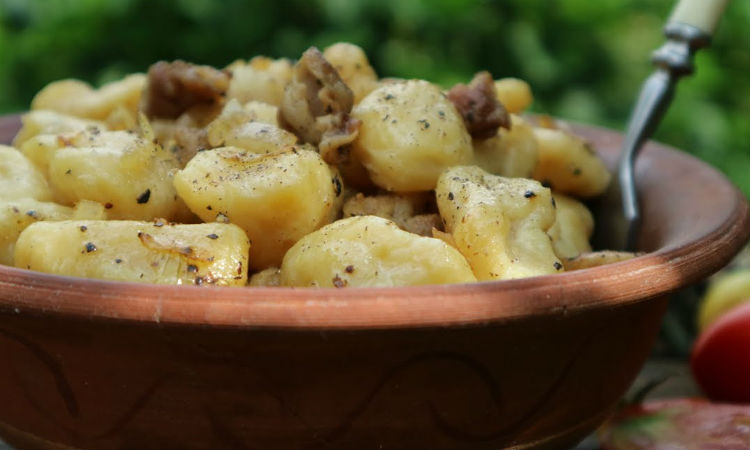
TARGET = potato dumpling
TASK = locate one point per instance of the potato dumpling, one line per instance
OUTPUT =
(19, 178)
(267, 277)
(499, 224)
(261, 79)
(510, 153)
(50, 122)
(342, 192)
(79, 99)
(276, 198)
(235, 127)
(371, 251)
(350, 61)
(87, 209)
(16, 215)
(262, 112)
(128, 174)
(122, 118)
(40, 148)
(572, 228)
(596, 259)
(410, 134)
(568, 164)
(514, 94)
(148, 252)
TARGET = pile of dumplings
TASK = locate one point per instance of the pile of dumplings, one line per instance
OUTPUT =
(306, 173)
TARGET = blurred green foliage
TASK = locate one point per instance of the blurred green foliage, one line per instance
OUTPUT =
(584, 59)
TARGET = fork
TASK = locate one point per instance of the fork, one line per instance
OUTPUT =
(689, 28)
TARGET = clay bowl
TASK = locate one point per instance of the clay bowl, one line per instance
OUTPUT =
(528, 363)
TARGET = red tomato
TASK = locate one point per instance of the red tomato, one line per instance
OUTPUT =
(721, 357)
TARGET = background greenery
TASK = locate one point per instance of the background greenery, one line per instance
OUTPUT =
(584, 59)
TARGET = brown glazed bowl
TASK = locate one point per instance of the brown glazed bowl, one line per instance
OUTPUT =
(531, 363)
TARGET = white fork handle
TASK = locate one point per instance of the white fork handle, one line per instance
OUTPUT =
(702, 14)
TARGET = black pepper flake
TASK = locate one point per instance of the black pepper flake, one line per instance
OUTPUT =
(576, 171)
(349, 269)
(90, 247)
(388, 97)
(209, 207)
(212, 236)
(339, 282)
(33, 214)
(198, 281)
(118, 261)
(450, 196)
(557, 265)
(337, 185)
(529, 194)
(424, 123)
(547, 183)
(68, 172)
(83, 228)
(554, 203)
(143, 198)
(108, 205)
(186, 250)
(192, 268)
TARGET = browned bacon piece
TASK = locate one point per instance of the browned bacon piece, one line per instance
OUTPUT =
(174, 87)
(477, 103)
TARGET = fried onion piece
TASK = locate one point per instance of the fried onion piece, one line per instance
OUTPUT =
(415, 213)
(316, 107)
